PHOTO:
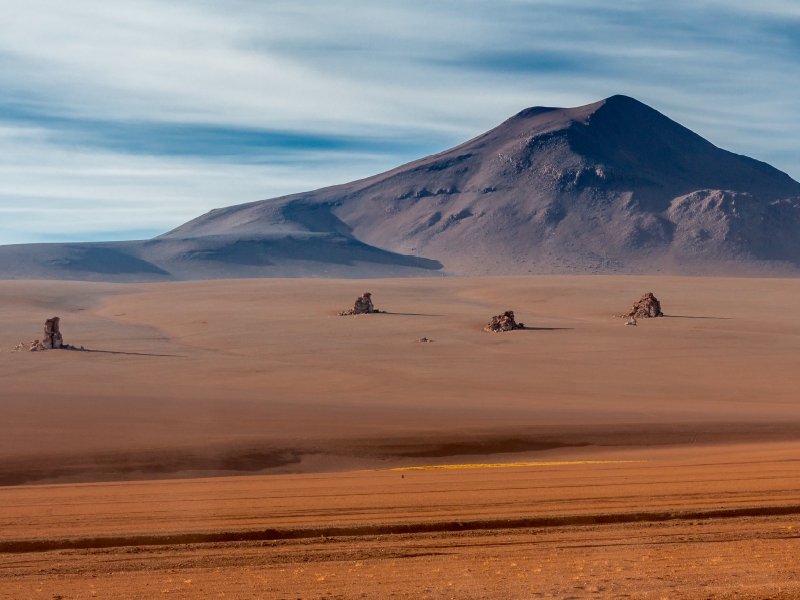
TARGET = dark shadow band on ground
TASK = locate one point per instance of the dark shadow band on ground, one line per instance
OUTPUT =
(266, 457)
(408, 528)
(133, 466)
(388, 312)
(484, 448)
(120, 352)
(697, 317)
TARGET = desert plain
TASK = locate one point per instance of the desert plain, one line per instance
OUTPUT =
(238, 438)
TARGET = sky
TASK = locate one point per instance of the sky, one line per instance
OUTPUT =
(124, 119)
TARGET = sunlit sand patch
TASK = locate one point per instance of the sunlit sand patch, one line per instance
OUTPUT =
(518, 464)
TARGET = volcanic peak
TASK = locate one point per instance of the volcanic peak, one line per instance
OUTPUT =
(610, 187)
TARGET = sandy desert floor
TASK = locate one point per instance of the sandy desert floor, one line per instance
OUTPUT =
(657, 461)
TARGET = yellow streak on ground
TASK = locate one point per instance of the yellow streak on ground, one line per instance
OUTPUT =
(517, 464)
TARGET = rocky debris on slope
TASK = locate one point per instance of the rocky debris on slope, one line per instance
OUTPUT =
(631, 322)
(52, 334)
(646, 307)
(504, 322)
(363, 306)
(36, 345)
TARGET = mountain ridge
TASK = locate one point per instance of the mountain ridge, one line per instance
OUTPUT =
(610, 187)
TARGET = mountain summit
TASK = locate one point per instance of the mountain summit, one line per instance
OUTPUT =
(613, 186)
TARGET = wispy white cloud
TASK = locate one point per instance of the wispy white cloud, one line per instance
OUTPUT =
(53, 193)
(134, 116)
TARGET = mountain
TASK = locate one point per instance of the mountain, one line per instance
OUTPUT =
(613, 186)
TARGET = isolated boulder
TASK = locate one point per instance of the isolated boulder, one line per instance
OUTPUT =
(504, 322)
(52, 335)
(363, 306)
(646, 307)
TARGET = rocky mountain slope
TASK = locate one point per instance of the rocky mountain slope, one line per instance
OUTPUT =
(613, 186)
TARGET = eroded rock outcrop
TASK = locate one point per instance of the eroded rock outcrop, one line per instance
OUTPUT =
(646, 307)
(363, 306)
(52, 337)
(504, 322)
(52, 334)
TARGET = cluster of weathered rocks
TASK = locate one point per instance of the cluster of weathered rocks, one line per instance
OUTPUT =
(646, 307)
(52, 336)
(504, 322)
(363, 306)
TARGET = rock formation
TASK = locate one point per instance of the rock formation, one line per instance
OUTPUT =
(363, 306)
(646, 307)
(52, 335)
(504, 322)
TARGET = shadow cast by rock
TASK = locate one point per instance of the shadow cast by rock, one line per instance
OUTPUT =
(386, 312)
(694, 317)
(82, 349)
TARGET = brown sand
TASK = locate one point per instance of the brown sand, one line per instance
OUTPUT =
(235, 377)
(752, 559)
(240, 376)
(721, 523)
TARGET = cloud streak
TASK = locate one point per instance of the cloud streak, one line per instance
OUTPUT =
(136, 116)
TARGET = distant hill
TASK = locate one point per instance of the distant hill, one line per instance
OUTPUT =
(611, 187)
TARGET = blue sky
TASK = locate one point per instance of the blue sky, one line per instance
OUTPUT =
(124, 119)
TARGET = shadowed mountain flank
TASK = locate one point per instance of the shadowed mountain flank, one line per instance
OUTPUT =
(232, 256)
(611, 187)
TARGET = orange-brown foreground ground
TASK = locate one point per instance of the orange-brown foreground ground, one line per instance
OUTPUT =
(666, 456)
(717, 522)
